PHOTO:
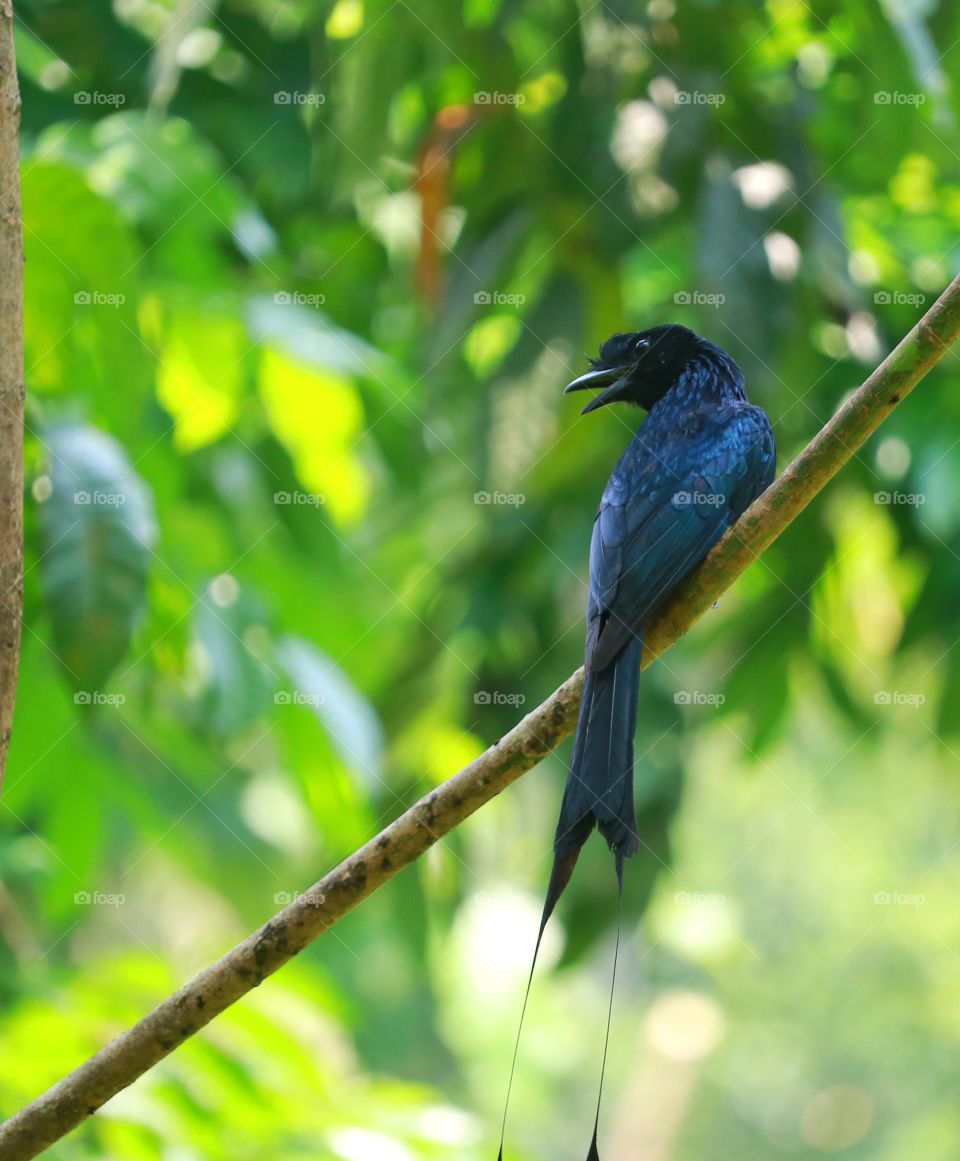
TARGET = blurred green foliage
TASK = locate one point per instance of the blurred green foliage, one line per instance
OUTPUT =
(307, 527)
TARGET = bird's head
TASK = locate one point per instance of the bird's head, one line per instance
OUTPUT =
(638, 368)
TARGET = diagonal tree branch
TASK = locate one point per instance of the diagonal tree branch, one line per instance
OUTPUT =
(80, 1094)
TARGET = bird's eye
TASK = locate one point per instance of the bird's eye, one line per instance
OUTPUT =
(641, 344)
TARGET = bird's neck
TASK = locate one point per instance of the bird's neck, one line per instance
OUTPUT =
(709, 379)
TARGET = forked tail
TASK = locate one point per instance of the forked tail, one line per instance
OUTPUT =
(599, 792)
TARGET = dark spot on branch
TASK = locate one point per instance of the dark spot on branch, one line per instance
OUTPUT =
(430, 808)
(357, 877)
(273, 939)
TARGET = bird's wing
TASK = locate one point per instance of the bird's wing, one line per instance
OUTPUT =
(646, 538)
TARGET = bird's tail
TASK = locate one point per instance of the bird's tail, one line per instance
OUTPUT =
(599, 790)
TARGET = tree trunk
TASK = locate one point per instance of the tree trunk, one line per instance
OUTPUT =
(11, 382)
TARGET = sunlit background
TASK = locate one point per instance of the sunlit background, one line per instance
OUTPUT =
(308, 521)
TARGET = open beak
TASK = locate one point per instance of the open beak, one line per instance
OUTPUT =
(612, 379)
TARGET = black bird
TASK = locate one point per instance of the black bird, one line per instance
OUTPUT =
(702, 456)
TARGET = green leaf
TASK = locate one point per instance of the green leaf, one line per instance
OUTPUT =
(318, 416)
(201, 375)
(348, 718)
(81, 297)
(98, 529)
(230, 635)
(309, 336)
